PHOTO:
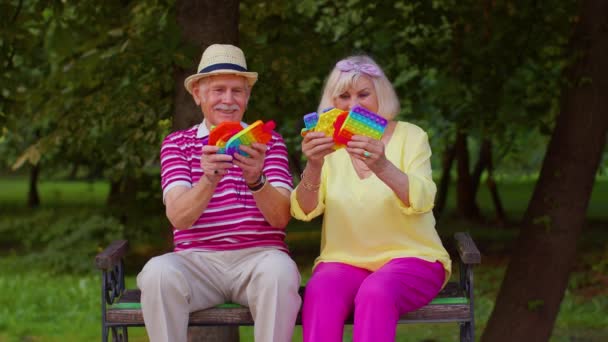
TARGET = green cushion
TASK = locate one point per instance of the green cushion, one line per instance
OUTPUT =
(436, 301)
(130, 306)
(137, 306)
(450, 300)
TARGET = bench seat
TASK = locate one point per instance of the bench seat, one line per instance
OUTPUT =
(450, 306)
(121, 308)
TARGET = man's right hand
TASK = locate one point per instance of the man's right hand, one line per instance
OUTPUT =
(214, 165)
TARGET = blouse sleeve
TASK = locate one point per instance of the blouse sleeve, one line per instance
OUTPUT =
(296, 210)
(422, 188)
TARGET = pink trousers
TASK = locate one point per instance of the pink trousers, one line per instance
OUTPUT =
(336, 290)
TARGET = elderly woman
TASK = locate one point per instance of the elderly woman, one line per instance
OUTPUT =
(380, 253)
(228, 213)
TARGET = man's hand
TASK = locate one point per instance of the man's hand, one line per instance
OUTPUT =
(253, 165)
(214, 165)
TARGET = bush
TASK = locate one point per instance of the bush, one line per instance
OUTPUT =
(60, 243)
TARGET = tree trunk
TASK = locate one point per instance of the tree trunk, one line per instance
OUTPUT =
(486, 163)
(203, 23)
(33, 196)
(74, 171)
(485, 158)
(122, 197)
(501, 217)
(215, 334)
(465, 198)
(447, 160)
(537, 275)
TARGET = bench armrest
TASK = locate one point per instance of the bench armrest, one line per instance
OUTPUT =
(110, 262)
(467, 250)
(111, 256)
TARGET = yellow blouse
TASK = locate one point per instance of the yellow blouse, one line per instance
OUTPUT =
(365, 224)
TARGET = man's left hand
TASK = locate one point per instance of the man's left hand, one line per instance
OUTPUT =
(253, 165)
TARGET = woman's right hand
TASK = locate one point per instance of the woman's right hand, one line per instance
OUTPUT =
(315, 146)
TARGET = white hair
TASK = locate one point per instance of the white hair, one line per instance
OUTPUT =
(338, 82)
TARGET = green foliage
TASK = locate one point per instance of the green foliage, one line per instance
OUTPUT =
(77, 205)
(490, 68)
(54, 195)
(61, 244)
(88, 83)
(91, 83)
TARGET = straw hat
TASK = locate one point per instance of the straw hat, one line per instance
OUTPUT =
(221, 59)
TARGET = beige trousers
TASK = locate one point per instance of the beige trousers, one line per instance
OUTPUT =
(175, 284)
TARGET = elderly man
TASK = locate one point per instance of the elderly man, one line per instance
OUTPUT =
(228, 213)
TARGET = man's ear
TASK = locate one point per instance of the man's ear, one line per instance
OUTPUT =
(196, 94)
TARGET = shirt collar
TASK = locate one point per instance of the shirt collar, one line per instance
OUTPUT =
(203, 131)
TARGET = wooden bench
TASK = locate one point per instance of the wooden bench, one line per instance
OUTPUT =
(120, 307)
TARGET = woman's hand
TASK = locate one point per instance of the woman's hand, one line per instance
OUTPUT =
(252, 165)
(368, 150)
(315, 146)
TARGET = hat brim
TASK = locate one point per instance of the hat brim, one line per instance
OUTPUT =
(251, 77)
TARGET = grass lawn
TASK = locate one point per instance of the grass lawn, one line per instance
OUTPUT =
(54, 194)
(36, 305)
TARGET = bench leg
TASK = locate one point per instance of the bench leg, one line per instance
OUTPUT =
(120, 334)
(467, 329)
(467, 332)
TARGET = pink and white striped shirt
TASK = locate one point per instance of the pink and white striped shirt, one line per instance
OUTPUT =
(231, 220)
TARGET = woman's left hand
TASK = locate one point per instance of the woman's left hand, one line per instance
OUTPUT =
(368, 150)
(253, 165)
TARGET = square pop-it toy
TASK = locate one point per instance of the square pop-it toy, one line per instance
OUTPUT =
(360, 121)
(310, 122)
(326, 121)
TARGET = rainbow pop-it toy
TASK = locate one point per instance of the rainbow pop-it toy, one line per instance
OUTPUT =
(342, 125)
(360, 121)
(310, 122)
(221, 133)
(256, 132)
(326, 121)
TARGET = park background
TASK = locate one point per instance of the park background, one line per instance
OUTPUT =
(512, 94)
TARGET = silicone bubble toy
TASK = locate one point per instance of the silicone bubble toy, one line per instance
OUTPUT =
(310, 122)
(360, 121)
(256, 132)
(326, 121)
(221, 133)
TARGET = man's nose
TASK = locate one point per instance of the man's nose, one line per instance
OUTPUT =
(228, 96)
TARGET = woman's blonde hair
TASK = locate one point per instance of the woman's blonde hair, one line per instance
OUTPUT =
(346, 73)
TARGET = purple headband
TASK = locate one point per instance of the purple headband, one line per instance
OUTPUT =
(364, 68)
